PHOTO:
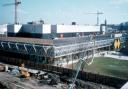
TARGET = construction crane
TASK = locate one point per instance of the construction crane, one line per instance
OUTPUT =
(97, 13)
(16, 4)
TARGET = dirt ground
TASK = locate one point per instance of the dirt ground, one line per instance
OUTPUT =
(12, 82)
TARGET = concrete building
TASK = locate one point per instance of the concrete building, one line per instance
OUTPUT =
(48, 31)
(37, 30)
(13, 29)
(74, 30)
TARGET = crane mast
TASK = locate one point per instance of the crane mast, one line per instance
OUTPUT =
(16, 13)
(16, 4)
(97, 13)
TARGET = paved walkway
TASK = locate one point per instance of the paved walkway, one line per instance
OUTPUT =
(112, 54)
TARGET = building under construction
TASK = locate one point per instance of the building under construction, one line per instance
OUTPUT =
(39, 44)
(55, 44)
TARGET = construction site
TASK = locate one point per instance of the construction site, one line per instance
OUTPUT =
(41, 62)
(37, 55)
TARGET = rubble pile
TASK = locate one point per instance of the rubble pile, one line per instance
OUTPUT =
(17, 77)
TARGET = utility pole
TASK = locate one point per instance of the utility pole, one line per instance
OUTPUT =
(97, 13)
(16, 4)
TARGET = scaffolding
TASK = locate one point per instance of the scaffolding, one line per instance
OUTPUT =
(54, 48)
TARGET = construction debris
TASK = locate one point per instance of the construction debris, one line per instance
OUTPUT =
(49, 78)
(2, 67)
(15, 71)
(40, 80)
(8, 81)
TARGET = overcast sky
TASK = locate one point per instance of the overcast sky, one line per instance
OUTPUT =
(65, 11)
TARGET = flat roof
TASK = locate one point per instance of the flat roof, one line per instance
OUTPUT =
(28, 40)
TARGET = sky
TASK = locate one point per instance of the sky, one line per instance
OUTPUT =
(65, 11)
